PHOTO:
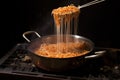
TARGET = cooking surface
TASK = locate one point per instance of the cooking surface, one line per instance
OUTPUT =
(17, 62)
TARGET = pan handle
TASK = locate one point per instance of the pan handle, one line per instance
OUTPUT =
(28, 33)
(96, 55)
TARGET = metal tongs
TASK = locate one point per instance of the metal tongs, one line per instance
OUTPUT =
(90, 3)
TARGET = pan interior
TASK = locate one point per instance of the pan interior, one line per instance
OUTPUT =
(71, 46)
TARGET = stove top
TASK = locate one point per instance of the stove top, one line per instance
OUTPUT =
(17, 63)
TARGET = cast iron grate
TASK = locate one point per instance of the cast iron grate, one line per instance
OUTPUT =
(107, 67)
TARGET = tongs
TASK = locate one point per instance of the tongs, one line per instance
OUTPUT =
(90, 3)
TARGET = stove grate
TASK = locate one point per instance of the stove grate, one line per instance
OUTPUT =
(17, 62)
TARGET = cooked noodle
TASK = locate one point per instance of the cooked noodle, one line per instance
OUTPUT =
(50, 50)
(66, 22)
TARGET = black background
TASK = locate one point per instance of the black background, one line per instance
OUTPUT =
(99, 22)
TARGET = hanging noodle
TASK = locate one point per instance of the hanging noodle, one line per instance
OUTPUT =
(65, 19)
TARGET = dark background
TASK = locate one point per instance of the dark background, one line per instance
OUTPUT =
(99, 22)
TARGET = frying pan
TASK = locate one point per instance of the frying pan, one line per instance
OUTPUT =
(57, 64)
